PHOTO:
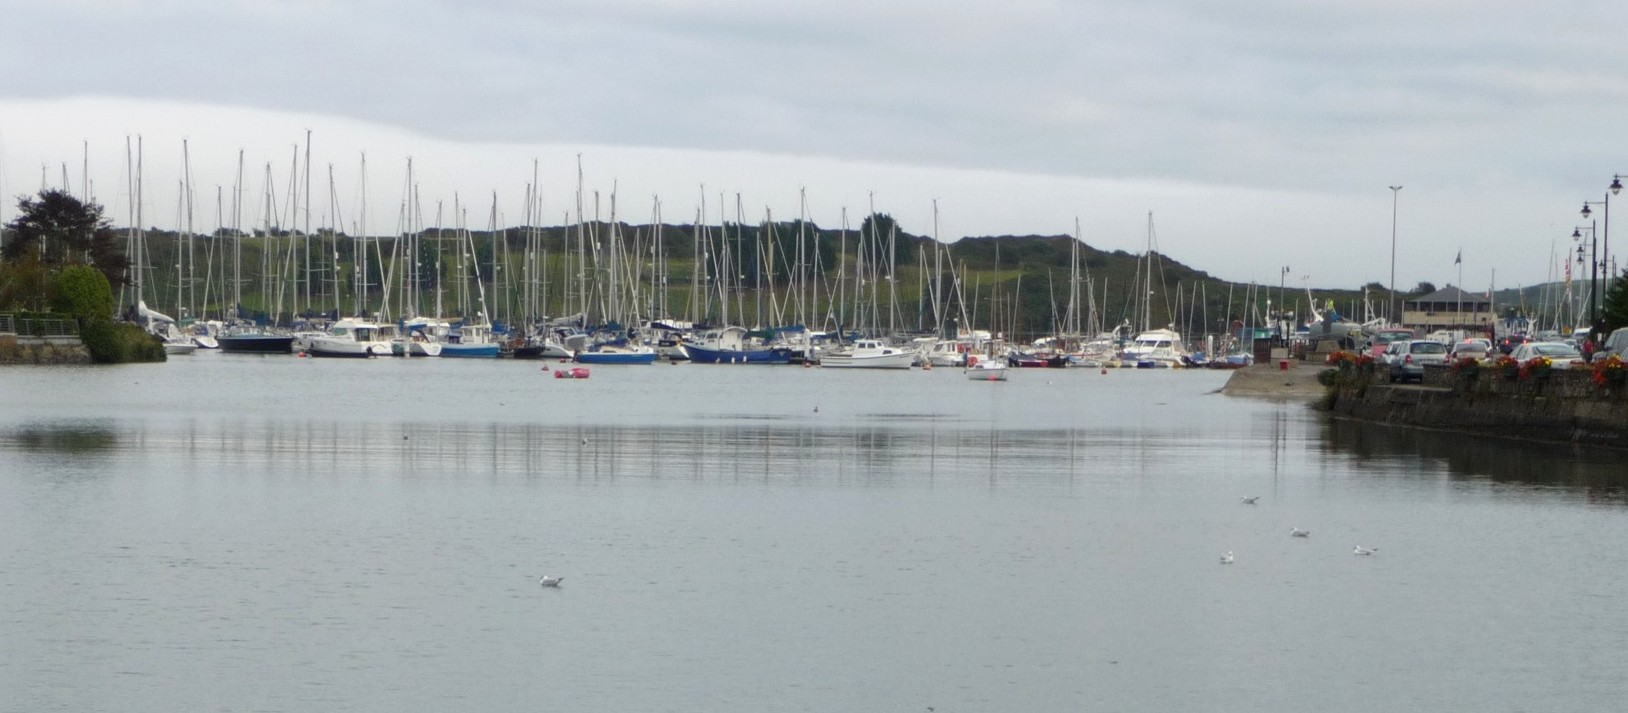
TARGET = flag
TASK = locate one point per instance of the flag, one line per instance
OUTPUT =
(1460, 259)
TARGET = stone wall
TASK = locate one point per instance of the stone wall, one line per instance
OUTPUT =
(1565, 406)
(42, 350)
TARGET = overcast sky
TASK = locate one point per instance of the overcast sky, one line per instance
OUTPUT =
(1259, 133)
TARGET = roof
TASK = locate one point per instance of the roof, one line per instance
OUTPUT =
(1452, 295)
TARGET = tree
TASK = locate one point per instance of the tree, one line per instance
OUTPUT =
(83, 291)
(1423, 288)
(1614, 307)
(58, 230)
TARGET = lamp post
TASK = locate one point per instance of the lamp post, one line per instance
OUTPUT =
(1593, 271)
(1282, 332)
(1605, 239)
(1392, 306)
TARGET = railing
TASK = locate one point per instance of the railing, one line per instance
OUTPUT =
(38, 326)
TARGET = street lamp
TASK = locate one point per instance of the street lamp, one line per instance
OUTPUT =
(1594, 256)
(1282, 331)
(1394, 191)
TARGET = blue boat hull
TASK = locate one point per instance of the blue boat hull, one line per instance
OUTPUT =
(704, 355)
(469, 351)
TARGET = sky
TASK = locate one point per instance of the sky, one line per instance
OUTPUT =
(1258, 135)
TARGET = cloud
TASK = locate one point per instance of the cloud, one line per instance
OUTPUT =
(1503, 112)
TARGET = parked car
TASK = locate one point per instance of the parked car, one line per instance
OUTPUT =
(1560, 354)
(1377, 343)
(1508, 343)
(1408, 359)
(1477, 349)
(1616, 343)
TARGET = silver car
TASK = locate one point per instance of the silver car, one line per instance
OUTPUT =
(1407, 359)
(1560, 354)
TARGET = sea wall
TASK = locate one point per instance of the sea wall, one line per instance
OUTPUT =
(1563, 406)
(42, 350)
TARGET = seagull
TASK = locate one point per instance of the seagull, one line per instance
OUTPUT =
(1364, 551)
(1297, 532)
(548, 581)
(1227, 558)
(585, 440)
(1249, 499)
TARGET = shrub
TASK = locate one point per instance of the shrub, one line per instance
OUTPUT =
(82, 291)
(117, 343)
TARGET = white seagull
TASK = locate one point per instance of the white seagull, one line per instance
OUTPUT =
(548, 581)
(1364, 551)
(1249, 499)
(1227, 558)
(1297, 532)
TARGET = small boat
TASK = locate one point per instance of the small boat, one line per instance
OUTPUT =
(179, 346)
(991, 370)
(471, 341)
(1156, 349)
(869, 354)
(542, 348)
(352, 338)
(730, 346)
(575, 372)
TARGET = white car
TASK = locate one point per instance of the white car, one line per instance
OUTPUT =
(1560, 354)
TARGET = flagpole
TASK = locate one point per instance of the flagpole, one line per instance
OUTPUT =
(1459, 261)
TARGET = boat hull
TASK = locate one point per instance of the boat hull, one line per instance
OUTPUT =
(257, 344)
(878, 361)
(616, 357)
(339, 349)
(706, 355)
(987, 372)
(470, 351)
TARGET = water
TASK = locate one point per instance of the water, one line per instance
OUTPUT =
(280, 534)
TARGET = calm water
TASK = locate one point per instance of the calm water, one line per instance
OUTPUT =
(279, 534)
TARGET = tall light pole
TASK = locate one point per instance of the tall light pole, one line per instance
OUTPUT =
(1605, 238)
(1593, 268)
(1282, 331)
(1392, 306)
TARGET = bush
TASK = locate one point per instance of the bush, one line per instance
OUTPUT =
(83, 291)
(117, 343)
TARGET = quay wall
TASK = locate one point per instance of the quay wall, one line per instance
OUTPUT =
(1564, 406)
(15, 349)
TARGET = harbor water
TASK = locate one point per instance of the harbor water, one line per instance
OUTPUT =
(252, 533)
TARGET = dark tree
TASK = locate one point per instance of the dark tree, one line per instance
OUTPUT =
(57, 230)
(1614, 306)
(1422, 289)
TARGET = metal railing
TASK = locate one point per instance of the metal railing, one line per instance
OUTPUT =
(38, 326)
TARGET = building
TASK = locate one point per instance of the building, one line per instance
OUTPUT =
(1449, 308)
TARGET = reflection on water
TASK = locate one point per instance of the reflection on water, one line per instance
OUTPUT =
(904, 451)
(68, 437)
(1600, 473)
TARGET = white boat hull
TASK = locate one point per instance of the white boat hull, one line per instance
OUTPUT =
(988, 371)
(898, 360)
(343, 348)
